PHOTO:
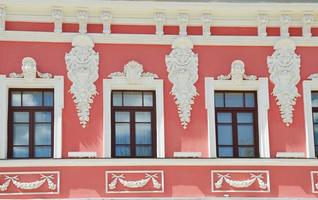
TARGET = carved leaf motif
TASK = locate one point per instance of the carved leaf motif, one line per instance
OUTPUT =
(182, 66)
(284, 69)
(82, 65)
(28, 185)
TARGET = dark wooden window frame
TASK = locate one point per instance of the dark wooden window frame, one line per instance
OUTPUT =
(132, 110)
(31, 110)
(234, 111)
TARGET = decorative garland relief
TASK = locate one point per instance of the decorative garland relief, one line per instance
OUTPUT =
(242, 183)
(182, 66)
(134, 184)
(82, 66)
(284, 69)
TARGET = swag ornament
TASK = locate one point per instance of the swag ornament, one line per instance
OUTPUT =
(182, 66)
(82, 65)
(284, 69)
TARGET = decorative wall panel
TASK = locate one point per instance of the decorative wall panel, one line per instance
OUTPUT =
(240, 181)
(134, 181)
(46, 182)
(82, 66)
(182, 66)
(284, 69)
(314, 181)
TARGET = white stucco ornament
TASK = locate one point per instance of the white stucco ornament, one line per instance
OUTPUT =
(29, 70)
(182, 66)
(237, 73)
(284, 69)
(82, 66)
(133, 72)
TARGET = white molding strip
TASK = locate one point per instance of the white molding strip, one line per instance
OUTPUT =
(158, 162)
(192, 198)
(100, 38)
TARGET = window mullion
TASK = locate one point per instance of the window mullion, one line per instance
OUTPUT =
(132, 134)
(31, 134)
(235, 135)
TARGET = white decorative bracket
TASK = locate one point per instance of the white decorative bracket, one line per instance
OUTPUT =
(308, 20)
(207, 21)
(133, 73)
(284, 69)
(82, 16)
(262, 24)
(182, 66)
(57, 15)
(2, 18)
(29, 70)
(183, 20)
(82, 66)
(285, 21)
(237, 73)
(106, 17)
(160, 19)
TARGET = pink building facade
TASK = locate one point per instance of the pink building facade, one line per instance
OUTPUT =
(158, 100)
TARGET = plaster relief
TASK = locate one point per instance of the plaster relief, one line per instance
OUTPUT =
(134, 181)
(237, 73)
(240, 181)
(284, 69)
(29, 70)
(182, 66)
(314, 181)
(82, 66)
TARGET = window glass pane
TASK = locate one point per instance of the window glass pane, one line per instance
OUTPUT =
(234, 99)
(225, 152)
(316, 133)
(122, 116)
(122, 150)
(143, 133)
(225, 135)
(143, 116)
(42, 152)
(246, 152)
(224, 117)
(117, 99)
(143, 151)
(21, 134)
(316, 151)
(132, 98)
(245, 117)
(32, 99)
(249, 100)
(43, 117)
(21, 116)
(42, 134)
(122, 132)
(48, 98)
(148, 98)
(315, 117)
(20, 152)
(16, 98)
(314, 99)
(218, 99)
(245, 134)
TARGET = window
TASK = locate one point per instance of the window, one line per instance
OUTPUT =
(30, 124)
(236, 127)
(133, 124)
(314, 103)
(240, 109)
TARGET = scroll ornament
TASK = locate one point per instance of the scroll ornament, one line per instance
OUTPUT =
(134, 184)
(237, 73)
(28, 185)
(240, 184)
(182, 66)
(29, 70)
(284, 69)
(133, 72)
(82, 65)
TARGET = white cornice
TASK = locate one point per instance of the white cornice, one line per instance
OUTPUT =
(199, 162)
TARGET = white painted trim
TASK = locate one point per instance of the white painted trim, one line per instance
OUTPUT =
(80, 154)
(102, 162)
(261, 86)
(100, 38)
(290, 155)
(143, 84)
(192, 198)
(312, 181)
(308, 87)
(187, 154)
(57, 83)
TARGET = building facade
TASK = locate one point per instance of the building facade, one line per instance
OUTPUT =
(158, 100)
